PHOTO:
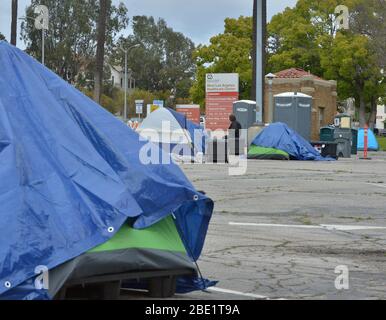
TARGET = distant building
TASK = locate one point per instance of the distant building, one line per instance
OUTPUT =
(118, 78)
(381, 117)
(298, 80)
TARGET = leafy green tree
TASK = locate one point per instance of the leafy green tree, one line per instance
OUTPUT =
(352, 61)
(292, 42)
(297, 35)
(107, 102)
(227, 52)
(72, 35)
(368, 18)
(163, 61)
(307, 37)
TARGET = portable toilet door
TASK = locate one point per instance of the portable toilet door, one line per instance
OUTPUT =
(245, 112)
(295, 110)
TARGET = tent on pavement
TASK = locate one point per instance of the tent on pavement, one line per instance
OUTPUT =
(174, 133)
(372, 143)
(261, 153)
(75, 197)
(283, 140)
(158, 247)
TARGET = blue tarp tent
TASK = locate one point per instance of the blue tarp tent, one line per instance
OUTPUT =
(196, 133)
(281, 137)
(174, 133)
(70, 176)
(372, 140)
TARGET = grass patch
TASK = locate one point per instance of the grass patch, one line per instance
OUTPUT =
(305, 220)
(382, 143)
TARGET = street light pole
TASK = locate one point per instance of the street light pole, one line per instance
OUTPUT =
(270, 77)
(126, 83)
(126, 51)
(43, 51)
(41, 23)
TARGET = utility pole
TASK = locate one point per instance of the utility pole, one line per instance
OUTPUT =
(260, 27)
(14, 22)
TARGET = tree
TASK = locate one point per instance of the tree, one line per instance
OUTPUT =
(100, 54)
(227, 52)
(71, 37)
(352, 61)
(292, 42)
(164, 59)
(369, 19)
(307, 37)
(2, 36)
(14, 22)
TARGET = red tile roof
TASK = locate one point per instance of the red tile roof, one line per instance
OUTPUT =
(294, 73)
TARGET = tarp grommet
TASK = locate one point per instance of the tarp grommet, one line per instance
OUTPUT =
(195, 198)
(110, 229)
(7, 284)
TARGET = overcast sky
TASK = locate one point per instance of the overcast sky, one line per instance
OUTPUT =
(197, 19)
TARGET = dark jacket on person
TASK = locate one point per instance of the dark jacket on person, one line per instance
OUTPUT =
(236, 126)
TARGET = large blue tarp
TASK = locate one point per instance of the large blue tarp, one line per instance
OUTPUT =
(280, 136)
(372, 143)
(70, 176)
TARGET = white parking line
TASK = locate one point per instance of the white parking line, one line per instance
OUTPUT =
(321, 226)
(350, 228)
(377, 185)
(237, 293)
(273, 225)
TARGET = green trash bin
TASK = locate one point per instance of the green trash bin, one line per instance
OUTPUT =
(327, 134)
(354, 146)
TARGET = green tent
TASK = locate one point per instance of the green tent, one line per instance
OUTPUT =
(154, 252)
(261, 153)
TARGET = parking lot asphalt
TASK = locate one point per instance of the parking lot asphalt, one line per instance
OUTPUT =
(283, 229)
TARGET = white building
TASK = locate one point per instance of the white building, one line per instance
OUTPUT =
(118, 78)
(381, 117)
